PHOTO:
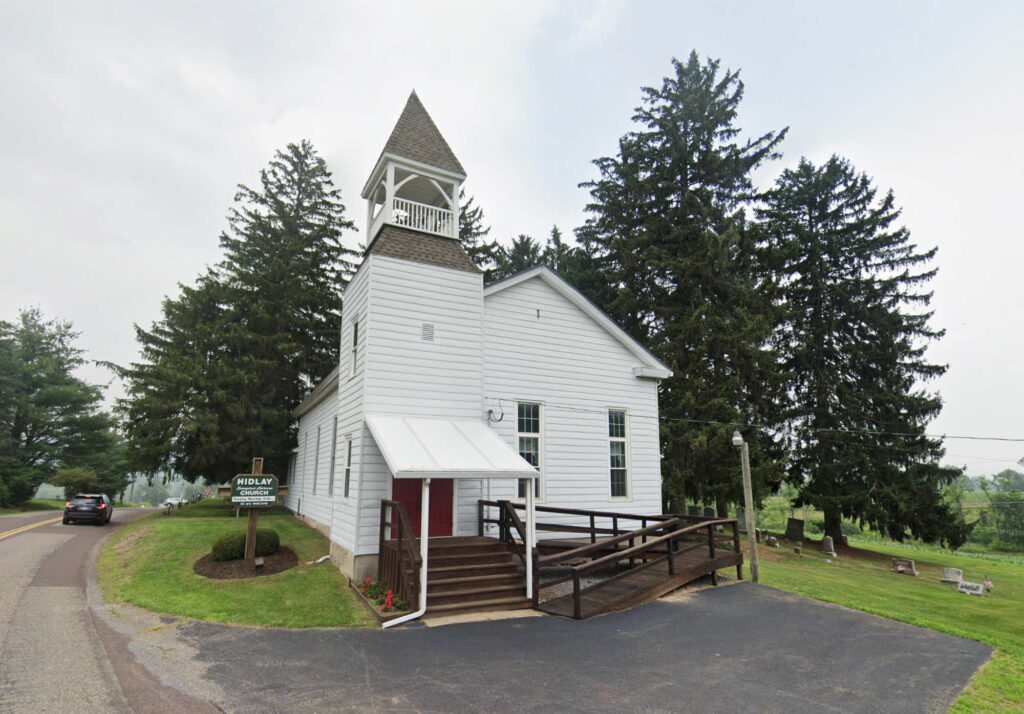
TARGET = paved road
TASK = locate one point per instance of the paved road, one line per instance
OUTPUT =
(55, 654)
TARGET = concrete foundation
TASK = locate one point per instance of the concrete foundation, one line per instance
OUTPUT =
(354, 567)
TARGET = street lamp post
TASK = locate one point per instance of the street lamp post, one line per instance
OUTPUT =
(748, 505)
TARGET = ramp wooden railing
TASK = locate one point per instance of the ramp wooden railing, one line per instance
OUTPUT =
(398, 557)
(672, 532)
(659, 537)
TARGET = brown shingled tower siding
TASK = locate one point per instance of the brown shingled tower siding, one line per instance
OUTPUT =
(416, 137)
(395, 242)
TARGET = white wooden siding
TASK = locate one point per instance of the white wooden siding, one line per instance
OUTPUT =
(408, 375)
(560, 358)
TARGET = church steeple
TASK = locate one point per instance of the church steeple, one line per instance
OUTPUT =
(415, 184)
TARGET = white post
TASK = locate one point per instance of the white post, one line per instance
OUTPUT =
(748, 503)
(424, 542)
(528, 545)
(389, 194)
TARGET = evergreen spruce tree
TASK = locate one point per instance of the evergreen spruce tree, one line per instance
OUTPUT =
(179, 393)
(524, 253)
(473, 234)
(668, 231)
(232, 357)
(855, 293)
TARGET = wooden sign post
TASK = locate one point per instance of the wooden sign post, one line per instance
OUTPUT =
(253, 491)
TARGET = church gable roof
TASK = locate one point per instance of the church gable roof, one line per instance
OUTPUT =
(650, 366)
(416, 137)
(395, 242)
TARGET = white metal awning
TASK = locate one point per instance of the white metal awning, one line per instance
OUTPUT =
(417, 447)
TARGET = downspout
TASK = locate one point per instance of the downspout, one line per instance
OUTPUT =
(528, 545)
(424, 545)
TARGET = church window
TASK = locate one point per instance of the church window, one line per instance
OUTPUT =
(528, 440)
(618, 453)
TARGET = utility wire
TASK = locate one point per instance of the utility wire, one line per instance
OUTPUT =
(775, 429)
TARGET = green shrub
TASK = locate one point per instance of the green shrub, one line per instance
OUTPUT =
(231, 546)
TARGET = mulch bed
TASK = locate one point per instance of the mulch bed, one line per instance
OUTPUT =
(282, 560)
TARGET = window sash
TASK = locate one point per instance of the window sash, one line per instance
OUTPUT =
(348, 467)
(316, 460)
(355, 348)
(529, 443)
(334, 454)
(618, 453)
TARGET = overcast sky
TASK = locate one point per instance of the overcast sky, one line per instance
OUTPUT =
(125, 128)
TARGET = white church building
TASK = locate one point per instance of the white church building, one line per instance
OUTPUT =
(474, 390)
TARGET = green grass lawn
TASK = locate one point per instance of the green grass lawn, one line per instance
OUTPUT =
(861, 580)
(149, 562)
(35, 504)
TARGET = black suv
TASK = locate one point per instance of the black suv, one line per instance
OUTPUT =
(90, 507)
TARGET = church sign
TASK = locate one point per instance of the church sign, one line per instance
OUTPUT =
(253, 490)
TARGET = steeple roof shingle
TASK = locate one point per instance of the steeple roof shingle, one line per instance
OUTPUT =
(416, 137)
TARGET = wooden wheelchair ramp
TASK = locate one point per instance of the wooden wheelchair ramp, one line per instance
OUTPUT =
(638, 585)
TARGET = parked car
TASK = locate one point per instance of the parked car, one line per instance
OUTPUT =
(173, 501)
(89, 507)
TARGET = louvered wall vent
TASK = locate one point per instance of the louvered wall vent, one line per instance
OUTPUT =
(428, 332)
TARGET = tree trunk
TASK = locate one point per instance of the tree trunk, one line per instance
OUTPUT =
(722, 507)
(833, 526)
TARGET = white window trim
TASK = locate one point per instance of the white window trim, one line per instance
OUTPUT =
(354, 350)
(348, 468)
(316, 460)
(541, 478)
(305, 455)
(608, 448)
(334, 456)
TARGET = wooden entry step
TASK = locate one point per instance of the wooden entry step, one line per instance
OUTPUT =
(471, 574)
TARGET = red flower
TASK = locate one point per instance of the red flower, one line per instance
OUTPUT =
(362, 590)
(388, 592)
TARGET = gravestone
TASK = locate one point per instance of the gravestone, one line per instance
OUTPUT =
(709, 512)
(771, 542)
(692, 511)
(741, 518)
(758, 535)
(904, 566)
(846, 541)
(971, 588)
(798, 550)
(826, 546)
(794, 529)
(952, 575)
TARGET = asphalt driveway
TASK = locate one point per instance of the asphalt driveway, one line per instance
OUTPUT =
(729, 649)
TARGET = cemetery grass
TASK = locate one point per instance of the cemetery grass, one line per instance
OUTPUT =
(860, 579)
(35, 504)
(148, 563)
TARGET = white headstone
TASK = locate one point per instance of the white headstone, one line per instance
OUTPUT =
(952, 575)
(971, 588)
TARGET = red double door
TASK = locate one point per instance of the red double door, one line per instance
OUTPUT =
(410, 492)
